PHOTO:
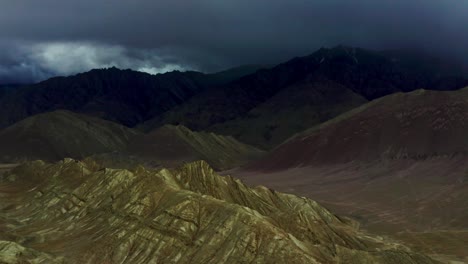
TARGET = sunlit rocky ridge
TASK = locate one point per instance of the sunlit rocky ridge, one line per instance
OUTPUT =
(79, 212)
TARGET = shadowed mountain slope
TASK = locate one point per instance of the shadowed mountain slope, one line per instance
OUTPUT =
(399, 164)
(415, 125)
(80, 213)
(290, 111)
(125, 96)
(330, 82)
(59, 134)
(169, 145)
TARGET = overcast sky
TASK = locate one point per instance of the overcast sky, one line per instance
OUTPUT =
(43, 38)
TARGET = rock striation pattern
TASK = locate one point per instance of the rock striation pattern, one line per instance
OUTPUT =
(77, 212)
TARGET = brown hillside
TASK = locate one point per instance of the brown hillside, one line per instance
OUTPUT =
(398, 164)
(59, 134)
(415, 125)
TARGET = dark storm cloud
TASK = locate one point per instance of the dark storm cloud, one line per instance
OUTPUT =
(42, 38)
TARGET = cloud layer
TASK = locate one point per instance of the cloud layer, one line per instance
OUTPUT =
(47, 37)
(35, 62)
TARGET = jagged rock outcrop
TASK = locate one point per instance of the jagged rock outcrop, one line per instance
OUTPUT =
(80, 213)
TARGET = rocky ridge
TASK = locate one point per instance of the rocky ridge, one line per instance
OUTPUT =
(77, 212)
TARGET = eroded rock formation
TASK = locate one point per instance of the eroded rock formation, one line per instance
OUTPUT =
(76, 212)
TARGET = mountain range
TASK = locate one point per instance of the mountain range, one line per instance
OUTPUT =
(293, 96)
(62, 134)
(124, 96)
(277, 101)
(119, 166)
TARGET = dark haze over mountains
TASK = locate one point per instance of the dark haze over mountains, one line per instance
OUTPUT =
(40, 39)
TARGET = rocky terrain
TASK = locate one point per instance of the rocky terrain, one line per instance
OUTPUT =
(74, 212)
(111, 166)
(398, 164)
